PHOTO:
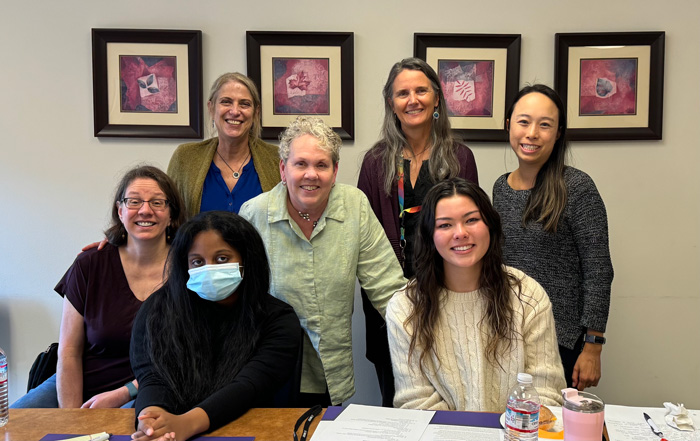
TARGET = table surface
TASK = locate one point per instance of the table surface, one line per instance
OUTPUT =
(34, 424)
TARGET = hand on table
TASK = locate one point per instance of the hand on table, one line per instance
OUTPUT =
(587, 369)
(156, 424)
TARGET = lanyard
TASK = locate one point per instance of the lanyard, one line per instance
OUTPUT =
(416, 209)
(307, 418)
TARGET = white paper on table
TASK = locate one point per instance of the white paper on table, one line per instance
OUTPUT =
(626, 423)
(358, 422)
(446, 432)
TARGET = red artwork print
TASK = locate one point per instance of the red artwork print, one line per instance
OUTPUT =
(467, 86)
(608, 87)
(300, 82)
(148, 84)
(301, 86)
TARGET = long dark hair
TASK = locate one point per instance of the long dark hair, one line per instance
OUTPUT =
(116, 233)
(443, 159)
(425, 291)
(194, 354)
(548, 197)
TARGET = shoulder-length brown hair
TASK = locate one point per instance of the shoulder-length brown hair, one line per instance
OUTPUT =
(116, 233)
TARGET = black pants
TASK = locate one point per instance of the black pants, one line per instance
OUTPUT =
(568, 359)
(378, 350)
(310, 400)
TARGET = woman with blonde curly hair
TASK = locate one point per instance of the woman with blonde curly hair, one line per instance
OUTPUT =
(321, 236)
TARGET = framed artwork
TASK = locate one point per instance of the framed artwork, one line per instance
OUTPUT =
(611, 83)
(479, 75)
(147, 83)
(303, 73)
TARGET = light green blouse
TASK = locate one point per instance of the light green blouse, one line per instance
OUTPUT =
(317, 276)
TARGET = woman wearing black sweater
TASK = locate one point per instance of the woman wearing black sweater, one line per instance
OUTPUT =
(212, 342)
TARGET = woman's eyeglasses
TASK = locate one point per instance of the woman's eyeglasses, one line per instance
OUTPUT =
(135, 203)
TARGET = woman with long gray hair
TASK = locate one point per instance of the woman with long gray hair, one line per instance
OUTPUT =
(416, 150)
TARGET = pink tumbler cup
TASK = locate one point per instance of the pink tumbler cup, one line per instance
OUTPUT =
(584, 415)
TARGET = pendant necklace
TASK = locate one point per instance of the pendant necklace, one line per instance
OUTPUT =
(236, 174)
(307, 218)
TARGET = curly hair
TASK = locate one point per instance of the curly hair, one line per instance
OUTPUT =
(328, 140)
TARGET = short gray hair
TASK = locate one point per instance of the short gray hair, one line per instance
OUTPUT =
(328, 140)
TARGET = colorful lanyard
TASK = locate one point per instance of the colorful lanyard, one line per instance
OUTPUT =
(415, 209)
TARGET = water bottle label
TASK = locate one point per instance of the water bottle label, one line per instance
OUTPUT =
(522, 420)
(3, 373)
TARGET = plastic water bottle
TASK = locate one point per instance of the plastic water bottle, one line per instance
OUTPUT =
(522, 411)
(4, 405)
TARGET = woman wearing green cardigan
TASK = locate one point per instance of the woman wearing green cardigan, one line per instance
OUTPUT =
(223, 172)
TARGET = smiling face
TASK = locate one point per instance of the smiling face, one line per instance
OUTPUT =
(144, 223)
(233, 111)
(461, 238)
(309, 173)
(533, 129)
(413, 99)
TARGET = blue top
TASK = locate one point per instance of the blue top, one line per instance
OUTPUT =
(216, 195)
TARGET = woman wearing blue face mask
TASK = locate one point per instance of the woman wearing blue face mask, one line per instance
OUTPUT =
(212, 342)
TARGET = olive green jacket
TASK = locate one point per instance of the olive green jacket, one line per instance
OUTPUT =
(190, 163)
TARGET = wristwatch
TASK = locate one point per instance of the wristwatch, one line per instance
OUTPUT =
(132, 389)
(588, 338)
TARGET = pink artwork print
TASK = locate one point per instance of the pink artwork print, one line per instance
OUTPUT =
(608, 86)
(301, 86)
(148, 84)
(467, 86)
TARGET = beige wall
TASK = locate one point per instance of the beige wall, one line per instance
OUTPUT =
(56, 178)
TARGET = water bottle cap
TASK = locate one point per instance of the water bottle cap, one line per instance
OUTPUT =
(524, 378)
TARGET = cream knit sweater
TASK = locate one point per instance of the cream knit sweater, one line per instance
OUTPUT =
(458, 376)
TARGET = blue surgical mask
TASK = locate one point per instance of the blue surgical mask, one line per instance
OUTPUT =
(215, 282)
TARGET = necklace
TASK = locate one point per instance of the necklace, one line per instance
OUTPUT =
(236, 174)
(415, 155)
(307, 218)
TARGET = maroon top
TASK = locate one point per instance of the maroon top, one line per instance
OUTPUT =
(386, 208)
(97, 288)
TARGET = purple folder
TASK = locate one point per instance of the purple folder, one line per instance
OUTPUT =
(449, 417)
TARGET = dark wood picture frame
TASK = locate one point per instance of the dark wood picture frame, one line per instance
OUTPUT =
(255, 40)
(466, 126)
(105, 126)
(565, 81)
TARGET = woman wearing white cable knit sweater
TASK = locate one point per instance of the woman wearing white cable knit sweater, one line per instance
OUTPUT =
(466, 324)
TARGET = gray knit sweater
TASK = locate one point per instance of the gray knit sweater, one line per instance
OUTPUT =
(573, 265)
